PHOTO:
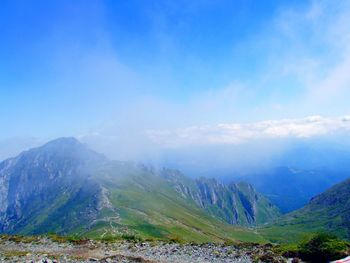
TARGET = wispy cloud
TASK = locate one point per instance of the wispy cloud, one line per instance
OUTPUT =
(236, 133)
(313, 50)
(137, 88)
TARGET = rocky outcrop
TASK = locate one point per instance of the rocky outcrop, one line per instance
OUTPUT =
(235, 203)
(46, 184)
(39, 249)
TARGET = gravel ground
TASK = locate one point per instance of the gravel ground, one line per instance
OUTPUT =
(46, 250)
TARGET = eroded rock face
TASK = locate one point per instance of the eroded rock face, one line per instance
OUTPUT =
(236, 203)
(46, 182)
(4, 184)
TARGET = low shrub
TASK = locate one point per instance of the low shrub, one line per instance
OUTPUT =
(323, 248)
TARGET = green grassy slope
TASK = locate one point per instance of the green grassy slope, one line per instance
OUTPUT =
(234, 203)
(149, 207)
(65, 188)
(327, 212)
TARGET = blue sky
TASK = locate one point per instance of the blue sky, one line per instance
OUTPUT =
(120, 68)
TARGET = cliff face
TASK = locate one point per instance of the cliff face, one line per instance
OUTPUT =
(235, 203)
(46, 184)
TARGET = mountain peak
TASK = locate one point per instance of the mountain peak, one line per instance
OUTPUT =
(63, 148)
(64, 141)
(68, 146)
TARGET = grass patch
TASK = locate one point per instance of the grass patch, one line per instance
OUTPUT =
(14, 253)
(323, 248)
(20, 238)
(319, 248)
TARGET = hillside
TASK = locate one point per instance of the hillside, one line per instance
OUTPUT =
(292, 188)
(235, 203)
(64, 187)
(326, 212)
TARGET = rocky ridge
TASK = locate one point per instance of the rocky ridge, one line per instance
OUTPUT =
(235, 203)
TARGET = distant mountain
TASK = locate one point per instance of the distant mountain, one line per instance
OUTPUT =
(289, 173)
(292, 188)
(302, 171)
(316, 155)
(66, 188)
(326, 212)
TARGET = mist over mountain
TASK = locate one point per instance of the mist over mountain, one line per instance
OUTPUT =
(40, 185)
(65, 187)
(172, 122)
(301, 173)
(288, 172)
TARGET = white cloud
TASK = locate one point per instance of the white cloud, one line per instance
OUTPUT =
(236, 133)
(317, 54)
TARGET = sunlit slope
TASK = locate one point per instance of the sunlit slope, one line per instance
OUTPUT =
(327, 212)
(64, 187)
(149, 207)
(234, 203)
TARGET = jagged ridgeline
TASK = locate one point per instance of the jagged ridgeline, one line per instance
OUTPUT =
(66, 188)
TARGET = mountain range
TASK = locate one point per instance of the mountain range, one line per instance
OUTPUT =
(291, 188)
(64, 187)
(303, 170)
(288, 173)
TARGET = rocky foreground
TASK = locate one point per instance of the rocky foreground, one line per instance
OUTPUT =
(43, 249)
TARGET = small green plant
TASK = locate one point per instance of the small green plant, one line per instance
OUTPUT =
(62, 239)
(76, 239)
(56, 238)
(287, 250)
(14, 253)
(130, 237)
(175, 239)
(23, 239)
(323, 248)
(228, 242)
